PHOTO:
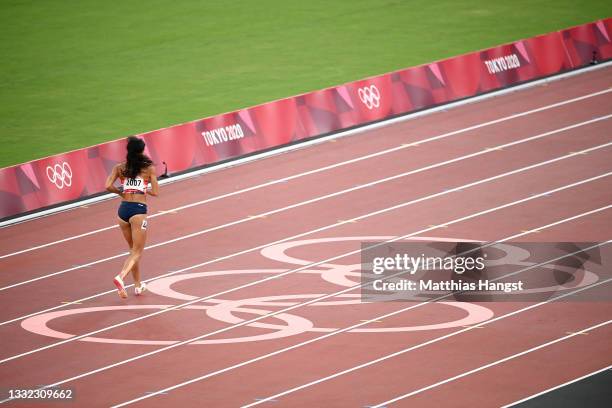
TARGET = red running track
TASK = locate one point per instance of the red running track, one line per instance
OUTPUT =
(208, 262)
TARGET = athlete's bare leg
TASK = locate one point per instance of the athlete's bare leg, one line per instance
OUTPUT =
(137, 237)
(126, 229)
(138, 227)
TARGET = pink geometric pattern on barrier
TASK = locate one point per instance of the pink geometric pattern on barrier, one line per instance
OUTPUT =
(521, 48)
(602, 29)
(82, 173)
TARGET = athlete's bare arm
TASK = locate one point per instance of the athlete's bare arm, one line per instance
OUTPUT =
(110, 181)
(153, 179)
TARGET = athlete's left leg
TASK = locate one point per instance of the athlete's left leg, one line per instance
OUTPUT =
(126, 229)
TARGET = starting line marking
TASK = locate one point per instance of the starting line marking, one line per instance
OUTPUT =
(72, 303)
(580, 333)
(371, 321)
(437, 226)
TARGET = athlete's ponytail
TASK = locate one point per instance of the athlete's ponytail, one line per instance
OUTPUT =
(135, 160)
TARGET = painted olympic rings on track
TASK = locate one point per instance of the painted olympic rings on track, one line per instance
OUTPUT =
(226, 311)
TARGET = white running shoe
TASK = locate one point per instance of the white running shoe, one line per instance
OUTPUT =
(139, 290)
(120, 287)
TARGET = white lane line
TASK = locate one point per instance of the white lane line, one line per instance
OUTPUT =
(494, 363)
(558, 386)
(295, 306)
(523, 233)
(320, 198)
(378, 212)
(339, 331)
(322, 169)
(418, 346)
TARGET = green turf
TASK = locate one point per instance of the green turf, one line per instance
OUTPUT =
(77, 73)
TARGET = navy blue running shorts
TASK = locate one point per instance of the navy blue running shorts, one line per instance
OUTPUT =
(127, 209)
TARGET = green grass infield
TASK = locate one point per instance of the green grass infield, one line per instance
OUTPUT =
(79, 72)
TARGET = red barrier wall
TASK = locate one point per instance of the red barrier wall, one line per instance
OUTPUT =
(81, 173)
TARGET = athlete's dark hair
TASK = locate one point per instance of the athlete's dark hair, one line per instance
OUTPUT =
(135, 160)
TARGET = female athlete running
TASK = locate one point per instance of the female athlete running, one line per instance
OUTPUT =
(135, 174)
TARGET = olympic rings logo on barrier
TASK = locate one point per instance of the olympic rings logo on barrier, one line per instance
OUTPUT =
(369, 96)
(232, 311)
(60, 175)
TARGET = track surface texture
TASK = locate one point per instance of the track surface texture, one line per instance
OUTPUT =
(245, 266)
